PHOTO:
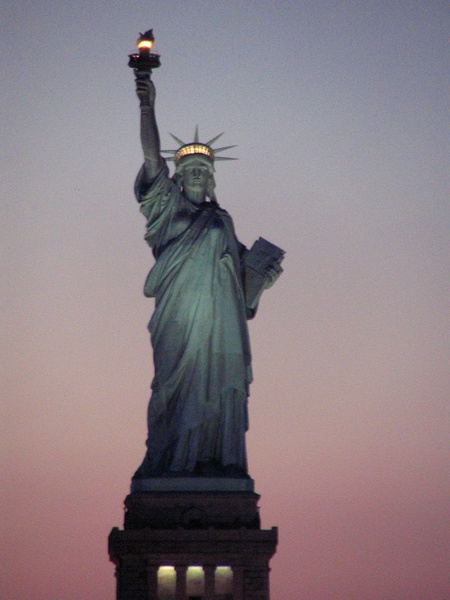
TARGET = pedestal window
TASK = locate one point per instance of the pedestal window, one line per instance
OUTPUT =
(223, 583)
(221, 587)
(195, 583)
(167, 579)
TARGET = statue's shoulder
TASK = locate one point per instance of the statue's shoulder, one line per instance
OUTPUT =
(221, 210)
(217, 210)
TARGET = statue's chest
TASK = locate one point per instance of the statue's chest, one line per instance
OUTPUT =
(214, 236)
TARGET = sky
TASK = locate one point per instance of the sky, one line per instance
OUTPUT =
(339, 110)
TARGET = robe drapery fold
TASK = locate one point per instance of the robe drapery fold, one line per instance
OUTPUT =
(197, 413)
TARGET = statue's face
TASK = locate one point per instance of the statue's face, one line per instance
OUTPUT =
(195, 181)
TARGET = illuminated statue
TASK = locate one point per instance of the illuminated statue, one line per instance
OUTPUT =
(205, 288)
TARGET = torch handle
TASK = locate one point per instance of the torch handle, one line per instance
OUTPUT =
(142, 73)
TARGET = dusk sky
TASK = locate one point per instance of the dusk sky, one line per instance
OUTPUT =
(339, 110)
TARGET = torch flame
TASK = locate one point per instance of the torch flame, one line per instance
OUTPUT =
(145, 44)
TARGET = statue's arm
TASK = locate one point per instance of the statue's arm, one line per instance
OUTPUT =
(256, 282)
(151, 146)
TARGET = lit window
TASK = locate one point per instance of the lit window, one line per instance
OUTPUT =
(224, 582)
(195, 582)
(166, 583)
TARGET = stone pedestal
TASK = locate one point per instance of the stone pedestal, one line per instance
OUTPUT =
(192, 545)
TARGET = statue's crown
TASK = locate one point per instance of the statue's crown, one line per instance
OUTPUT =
(194, 148)
(197, 148)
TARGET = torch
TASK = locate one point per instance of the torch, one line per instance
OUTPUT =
(144, 61)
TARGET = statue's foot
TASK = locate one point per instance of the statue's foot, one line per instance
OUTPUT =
(233, 471)
(144, 471)
(212, 468)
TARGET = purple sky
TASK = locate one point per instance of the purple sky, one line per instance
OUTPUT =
(340, 115)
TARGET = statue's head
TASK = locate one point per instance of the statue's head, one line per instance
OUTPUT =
(195, 173)
(195, 167)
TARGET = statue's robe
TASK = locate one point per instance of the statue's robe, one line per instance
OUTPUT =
(197, 413)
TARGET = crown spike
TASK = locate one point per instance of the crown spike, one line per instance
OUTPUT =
(177, 139)
(197, 147)
(224, 158)
(211, 142)
(223, 148)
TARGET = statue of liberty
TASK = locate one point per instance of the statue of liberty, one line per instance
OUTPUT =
(205, 289)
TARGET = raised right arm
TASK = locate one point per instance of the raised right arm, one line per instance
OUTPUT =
(151, 146)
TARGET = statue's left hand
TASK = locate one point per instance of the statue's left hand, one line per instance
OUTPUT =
(272, 273)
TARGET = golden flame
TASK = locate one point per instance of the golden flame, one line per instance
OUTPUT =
(145, 44)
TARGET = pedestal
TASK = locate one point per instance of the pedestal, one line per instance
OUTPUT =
(192, 545)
